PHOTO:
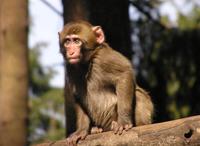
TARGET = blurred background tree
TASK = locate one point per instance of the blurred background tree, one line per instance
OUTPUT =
(13, 72)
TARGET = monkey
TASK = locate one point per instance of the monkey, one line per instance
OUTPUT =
(101, 82)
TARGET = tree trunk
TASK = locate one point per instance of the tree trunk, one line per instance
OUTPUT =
(13, 72)
(175, 133)
(113, 16)
(74, 10)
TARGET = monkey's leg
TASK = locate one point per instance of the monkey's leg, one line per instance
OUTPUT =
(144, 107)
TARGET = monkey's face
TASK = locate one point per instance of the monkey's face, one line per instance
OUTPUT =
(78, 40)
(72, 45)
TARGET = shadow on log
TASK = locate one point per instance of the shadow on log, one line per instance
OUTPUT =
(180, 132)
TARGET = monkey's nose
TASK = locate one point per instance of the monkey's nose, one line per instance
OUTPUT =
(71, 53)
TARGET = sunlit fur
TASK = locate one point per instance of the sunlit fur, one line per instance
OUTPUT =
(103, 86)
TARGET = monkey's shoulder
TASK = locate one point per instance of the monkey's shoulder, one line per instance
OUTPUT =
(110, 59)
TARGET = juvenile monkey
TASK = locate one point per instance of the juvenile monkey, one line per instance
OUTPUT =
(102, 83)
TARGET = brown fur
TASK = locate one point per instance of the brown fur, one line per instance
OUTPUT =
(104, 87)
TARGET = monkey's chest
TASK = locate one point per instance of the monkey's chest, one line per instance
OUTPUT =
(99, 98)
(101, 105)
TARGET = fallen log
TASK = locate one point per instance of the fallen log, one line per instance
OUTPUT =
(179, 132)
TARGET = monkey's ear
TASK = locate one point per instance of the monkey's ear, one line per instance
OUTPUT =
(60, 41)
(59, 33)
(99, 34)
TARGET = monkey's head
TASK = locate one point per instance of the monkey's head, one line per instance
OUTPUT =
(78, 40)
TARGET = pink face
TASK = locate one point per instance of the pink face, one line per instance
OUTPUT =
(73, 45)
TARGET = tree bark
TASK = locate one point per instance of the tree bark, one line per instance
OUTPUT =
(74, 10)
(13, 72)
(178, 132)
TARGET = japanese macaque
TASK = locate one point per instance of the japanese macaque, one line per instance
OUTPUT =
(102, 83)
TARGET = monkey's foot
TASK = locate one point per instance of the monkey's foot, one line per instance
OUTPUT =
(73, 139)
(96, 130)
(119, 128)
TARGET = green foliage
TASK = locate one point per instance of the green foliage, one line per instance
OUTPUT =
(46, 120)
(47, 116)
(169, 61)
(190, 21)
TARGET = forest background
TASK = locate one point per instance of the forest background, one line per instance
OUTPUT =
(163, 47)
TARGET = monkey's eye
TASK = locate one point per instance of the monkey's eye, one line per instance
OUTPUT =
(67, 42)
(77, 41)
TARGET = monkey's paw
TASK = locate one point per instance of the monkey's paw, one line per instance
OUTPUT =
(119, 128)
(96, 130)
(73, 139)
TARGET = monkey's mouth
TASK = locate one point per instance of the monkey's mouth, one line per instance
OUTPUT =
(74, 60)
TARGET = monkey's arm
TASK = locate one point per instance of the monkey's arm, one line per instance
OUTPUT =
(82, 124)
(119, 71)
(83, 121)
(125, 94)
(81, 118)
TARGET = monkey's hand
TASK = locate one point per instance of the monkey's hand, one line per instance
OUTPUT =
(73, 139)
(119, 128)
(96, 130)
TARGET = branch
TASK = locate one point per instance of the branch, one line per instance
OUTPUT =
(52, 7)
(180, 132)
(147, 14)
